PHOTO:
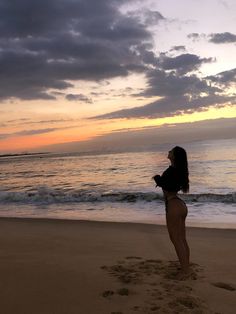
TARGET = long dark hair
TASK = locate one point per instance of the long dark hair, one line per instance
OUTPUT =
(181, 164)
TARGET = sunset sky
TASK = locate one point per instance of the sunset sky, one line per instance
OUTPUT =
(75, 70)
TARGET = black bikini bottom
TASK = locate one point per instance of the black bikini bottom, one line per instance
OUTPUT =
(171, 198)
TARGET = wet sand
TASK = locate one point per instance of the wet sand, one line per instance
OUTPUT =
(81, 267)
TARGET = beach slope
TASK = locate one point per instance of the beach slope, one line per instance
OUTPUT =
(81, 267)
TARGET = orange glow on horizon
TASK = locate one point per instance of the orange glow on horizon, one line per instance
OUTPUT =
(33, 142)
(92, 128)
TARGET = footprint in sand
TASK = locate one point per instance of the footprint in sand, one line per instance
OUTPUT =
(185, 304)
(123, 291)
(155, 308)
(172, 271)
(163, 292)
(133, 270)
(107, 293)
(224, 285)
(134, 257)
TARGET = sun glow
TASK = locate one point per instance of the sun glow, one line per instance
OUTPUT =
(91, 128)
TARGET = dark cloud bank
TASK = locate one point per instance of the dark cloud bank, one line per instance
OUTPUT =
(180, 89)
(46, 45)
(177, 83)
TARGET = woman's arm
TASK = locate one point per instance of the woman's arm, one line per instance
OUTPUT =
(168, 180)
(157, 179)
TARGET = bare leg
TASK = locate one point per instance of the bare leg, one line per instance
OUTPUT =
(176, 227)
(183, 232)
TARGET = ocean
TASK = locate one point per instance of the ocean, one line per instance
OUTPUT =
(119, 186)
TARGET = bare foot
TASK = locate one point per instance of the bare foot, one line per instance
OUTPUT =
(184, 275)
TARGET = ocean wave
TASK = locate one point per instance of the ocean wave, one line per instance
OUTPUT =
(48, 195)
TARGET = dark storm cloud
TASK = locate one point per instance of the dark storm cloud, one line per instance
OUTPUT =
(26, 76)
(39, 18)
(225, 78)
(164, 84)
(170, 106)
(183, 63)
(78, 97)
(179, 94)
(222, 38)
(176, 81)
(45, 44)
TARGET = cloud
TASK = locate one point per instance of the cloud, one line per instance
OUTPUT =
(169, 106)
(183, 63)
(179, 94)
(68, 40)
(146, 16)
(222, 38)
(78, 97)
(31, 132)
(194, 36)
(162, 83)
(65, 40)
(152, 17)
(51, 121)
(25, 121)
(225, 78)
(216, 38)
(178, 48)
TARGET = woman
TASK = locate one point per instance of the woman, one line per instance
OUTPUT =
(174, 179)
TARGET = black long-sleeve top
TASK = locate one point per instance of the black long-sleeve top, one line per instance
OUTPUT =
(169, 180)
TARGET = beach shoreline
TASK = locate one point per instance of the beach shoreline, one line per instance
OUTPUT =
(70, 266)
(161, 221)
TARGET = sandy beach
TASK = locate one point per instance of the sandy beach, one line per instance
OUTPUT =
(81, 267)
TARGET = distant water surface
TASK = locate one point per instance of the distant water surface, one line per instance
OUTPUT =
(118, 186)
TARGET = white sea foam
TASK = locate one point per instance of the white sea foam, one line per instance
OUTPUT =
(48, 195)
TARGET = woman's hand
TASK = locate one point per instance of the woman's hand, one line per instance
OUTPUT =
(156, 178)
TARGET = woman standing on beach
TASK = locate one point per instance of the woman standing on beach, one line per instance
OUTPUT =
(174, 179)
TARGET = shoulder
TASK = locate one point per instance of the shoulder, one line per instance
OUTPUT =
(171, 172)
(170, 169)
